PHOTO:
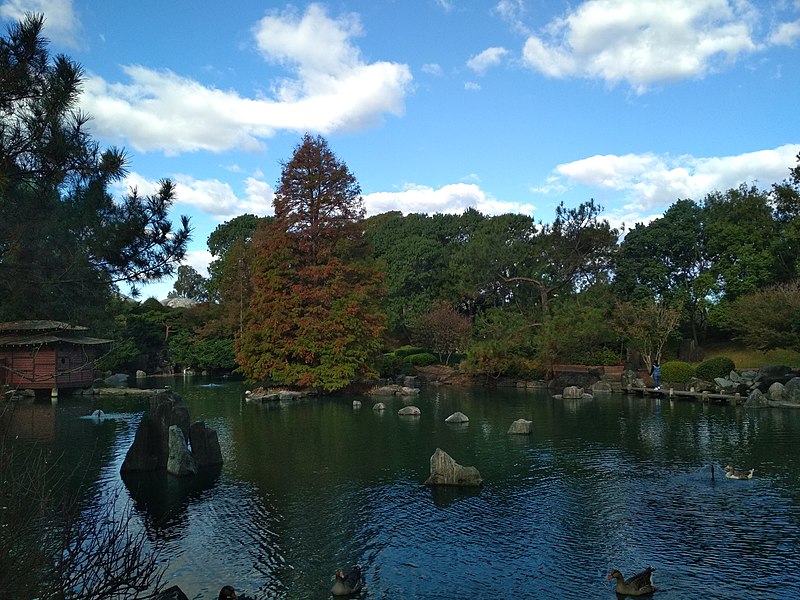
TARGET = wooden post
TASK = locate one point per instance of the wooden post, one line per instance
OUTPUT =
(705, 396)
(737, 398)
(671, 392)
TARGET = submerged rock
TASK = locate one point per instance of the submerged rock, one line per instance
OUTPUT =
(521, 427)
(412, 411)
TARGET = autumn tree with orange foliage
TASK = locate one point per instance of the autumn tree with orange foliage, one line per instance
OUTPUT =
(314, 319)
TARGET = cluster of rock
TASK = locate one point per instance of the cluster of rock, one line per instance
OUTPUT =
(262, 394)
(573, 392)
(402, 385)
(161, 440)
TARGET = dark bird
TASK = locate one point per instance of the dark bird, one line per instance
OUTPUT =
(228, 593)
(638, 585)
(732, 473)
(348, 584)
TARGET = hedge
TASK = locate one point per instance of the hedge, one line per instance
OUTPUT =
(676, 371)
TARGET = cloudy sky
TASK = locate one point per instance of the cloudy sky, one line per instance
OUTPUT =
(440, 105)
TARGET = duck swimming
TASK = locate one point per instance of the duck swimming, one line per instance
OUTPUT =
(732, 473)
(348, 584)
(638, 585)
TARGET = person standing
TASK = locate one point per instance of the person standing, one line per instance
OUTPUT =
(655, 371)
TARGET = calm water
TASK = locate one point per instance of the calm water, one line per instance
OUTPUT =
(306, 488)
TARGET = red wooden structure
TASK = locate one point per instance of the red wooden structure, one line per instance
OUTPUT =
(47, 355)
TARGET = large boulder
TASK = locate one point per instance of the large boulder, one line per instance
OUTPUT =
(446, 471)
(117, 380)
(150, 448)
(776, 391)
(769, 374)
(756, 400)
(205, 445)
(409, 411)
(791, 391)
(180, 461)
(521, 427)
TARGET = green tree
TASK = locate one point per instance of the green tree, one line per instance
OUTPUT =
(785, 198)
(646, 326)
(314, 318)
(743, 240)
(568, 254)
(65, 243)
(190, 284)
(667, 261)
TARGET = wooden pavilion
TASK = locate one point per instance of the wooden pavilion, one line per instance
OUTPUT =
(47, 355)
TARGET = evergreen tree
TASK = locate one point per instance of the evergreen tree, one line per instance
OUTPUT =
(314, 319)
(65, 243)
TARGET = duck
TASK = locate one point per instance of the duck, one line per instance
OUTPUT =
(228, 593)
(732, 473)
(349, 583)
(638, 585)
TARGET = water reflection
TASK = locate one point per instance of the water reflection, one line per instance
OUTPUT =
(613, 482)
(164, 499)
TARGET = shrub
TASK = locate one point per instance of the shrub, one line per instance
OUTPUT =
(423, 359)
(408, 350)
(391, 364)
(676, 371)
(719, 366)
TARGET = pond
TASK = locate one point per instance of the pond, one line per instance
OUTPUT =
(311, 486)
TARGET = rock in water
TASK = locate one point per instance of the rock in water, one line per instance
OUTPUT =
(457, 417)
(150, 448)
(521, 427)
(446, 471)
(180, 461)
(205, 445)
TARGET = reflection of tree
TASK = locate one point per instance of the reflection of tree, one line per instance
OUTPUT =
(52, 547)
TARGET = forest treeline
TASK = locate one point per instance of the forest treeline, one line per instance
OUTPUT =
(320, 295)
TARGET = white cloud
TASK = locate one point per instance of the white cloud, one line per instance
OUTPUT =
(472, 86)
(61, 24)
(643, 42)
(512, 12)
(332, 90)
(483, 61)
(453, 198)
(198, 260)
(214, 197)
(786, 34)
(432, 69)
(651, 182)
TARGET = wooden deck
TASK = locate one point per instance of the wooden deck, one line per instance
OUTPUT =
(731, 399)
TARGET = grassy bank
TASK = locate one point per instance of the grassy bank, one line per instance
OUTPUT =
(744, 358)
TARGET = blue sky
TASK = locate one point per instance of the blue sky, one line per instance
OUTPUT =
(439, 105)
